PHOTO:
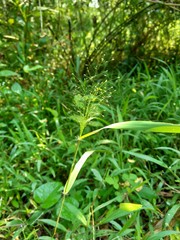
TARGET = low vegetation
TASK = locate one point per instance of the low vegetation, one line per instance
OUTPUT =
(89, 150)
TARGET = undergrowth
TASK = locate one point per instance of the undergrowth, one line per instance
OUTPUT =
(40, 130)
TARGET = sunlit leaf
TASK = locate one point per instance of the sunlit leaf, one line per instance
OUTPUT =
(75, 171)
(130, 207)
(139, 126)
(166, 129)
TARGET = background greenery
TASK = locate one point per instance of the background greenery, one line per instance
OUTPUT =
(68, 68)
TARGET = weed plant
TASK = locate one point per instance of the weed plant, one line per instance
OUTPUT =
(40, 132)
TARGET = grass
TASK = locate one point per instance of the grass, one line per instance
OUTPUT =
(40, 132)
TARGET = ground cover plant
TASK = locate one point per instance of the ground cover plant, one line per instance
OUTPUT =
(89, 147)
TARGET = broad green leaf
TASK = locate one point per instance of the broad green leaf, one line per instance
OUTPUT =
(130, 207)
(28, 69)
(146, 158)
(170, 214)
(16, 87)
(48, 194)
(53, 224)
(160, 235)
(8, 73)
(73, 175)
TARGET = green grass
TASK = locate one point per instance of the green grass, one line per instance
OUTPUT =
(41, 140)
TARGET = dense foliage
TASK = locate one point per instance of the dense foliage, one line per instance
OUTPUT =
(68, 71)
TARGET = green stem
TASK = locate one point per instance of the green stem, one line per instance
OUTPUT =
(59, 215)
(64, 195)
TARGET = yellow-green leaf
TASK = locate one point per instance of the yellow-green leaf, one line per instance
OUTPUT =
(75, 172)
(130, 207)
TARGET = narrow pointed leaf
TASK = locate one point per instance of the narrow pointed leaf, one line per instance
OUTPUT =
(146, 158)
(128, 224)
(160, 235)
(8, 73)
(90, 133)
(170, 214)
(112, 215)
(53, 223)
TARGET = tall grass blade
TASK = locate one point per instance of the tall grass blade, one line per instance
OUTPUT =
(139, 126)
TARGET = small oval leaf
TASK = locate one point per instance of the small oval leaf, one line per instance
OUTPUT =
(16, 87)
